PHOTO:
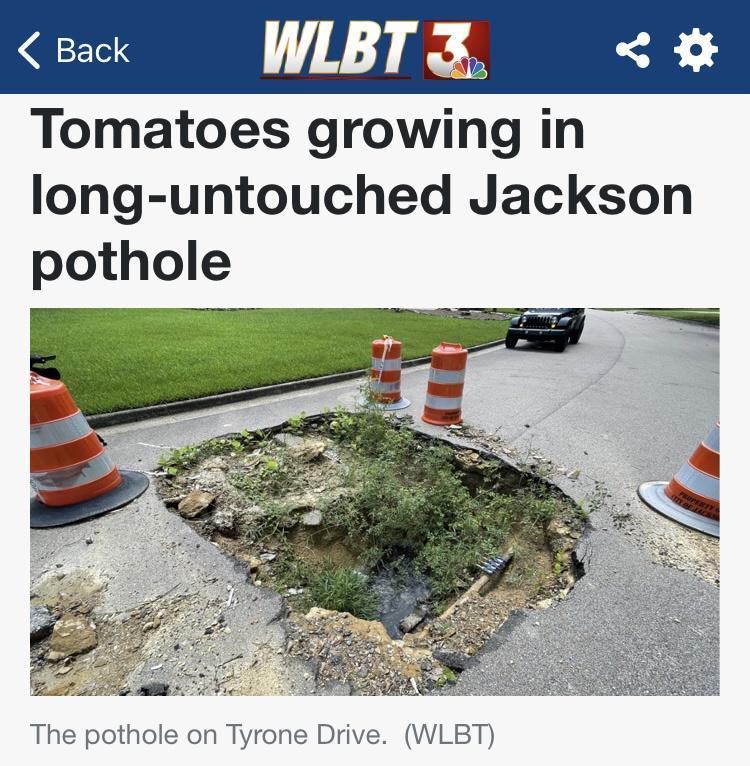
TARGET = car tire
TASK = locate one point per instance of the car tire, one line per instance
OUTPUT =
(510, 342)
(576, 335)
(561, 345)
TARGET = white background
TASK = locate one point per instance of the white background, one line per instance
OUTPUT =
(290, 260)
(411, 260)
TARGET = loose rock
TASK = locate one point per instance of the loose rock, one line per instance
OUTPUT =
(301, 504)
(195, 503)
(308, 451)
(41, 623)
(253, 563)
(71, 635)
(223, 522)
(312, 519)
(412, 620)
(468, 460)
(453, 660)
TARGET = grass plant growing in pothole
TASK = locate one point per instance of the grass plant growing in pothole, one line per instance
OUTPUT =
(329, 508)
(342, 590)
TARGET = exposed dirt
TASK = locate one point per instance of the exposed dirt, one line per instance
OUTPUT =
(265, 675)
(551, 574)
(668, 543)
(361, 654)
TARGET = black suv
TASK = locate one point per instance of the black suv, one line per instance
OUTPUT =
(558, 326)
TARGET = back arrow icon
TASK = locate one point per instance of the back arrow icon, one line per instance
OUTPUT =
(22, 50)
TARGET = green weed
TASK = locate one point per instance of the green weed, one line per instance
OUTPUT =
(409, 498)
(296, 423)
(180, 458)
(448, 677)
(342, 590)
(560, 563)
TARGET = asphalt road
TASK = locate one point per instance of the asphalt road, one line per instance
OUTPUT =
(626, 405)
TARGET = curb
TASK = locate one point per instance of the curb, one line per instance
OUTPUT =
(230, 397)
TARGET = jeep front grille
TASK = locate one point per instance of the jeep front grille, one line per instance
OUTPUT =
(538, 322)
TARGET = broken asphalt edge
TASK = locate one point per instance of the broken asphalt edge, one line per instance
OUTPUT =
(119, 417)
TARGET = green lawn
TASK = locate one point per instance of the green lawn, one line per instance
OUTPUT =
(709, 316)
(112, 359)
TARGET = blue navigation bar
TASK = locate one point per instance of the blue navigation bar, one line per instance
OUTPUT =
(642, 46)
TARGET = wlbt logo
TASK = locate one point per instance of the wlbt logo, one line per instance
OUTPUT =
(369, 50)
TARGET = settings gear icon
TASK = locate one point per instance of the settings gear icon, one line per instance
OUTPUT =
(696, 50)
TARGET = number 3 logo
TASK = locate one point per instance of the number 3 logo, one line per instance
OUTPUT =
(456, 33)
(456, 49)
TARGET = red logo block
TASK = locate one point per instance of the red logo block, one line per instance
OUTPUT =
(458, 50)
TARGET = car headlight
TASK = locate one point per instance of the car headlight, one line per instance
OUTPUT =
(553, 324)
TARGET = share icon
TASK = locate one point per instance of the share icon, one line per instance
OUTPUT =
(626, 49)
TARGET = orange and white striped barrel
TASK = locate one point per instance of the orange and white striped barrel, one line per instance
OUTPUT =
(68, 462)
(385, 373)
(692, 496)
(385, 369)
(445, 385)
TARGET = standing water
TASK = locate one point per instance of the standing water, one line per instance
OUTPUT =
(399, 593)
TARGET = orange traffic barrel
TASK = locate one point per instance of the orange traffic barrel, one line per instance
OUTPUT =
(385, 373)
(445, 385)
(71, 472)
(692, 496)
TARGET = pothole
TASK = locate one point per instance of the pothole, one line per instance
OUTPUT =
(375, 533)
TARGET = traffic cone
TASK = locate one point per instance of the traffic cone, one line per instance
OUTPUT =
(71, 472)
(385, 373)
(692, 497)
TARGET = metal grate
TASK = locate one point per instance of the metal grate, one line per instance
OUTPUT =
(494, 566)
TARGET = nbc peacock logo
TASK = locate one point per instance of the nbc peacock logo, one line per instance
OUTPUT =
(468, 68)
(456, 50)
